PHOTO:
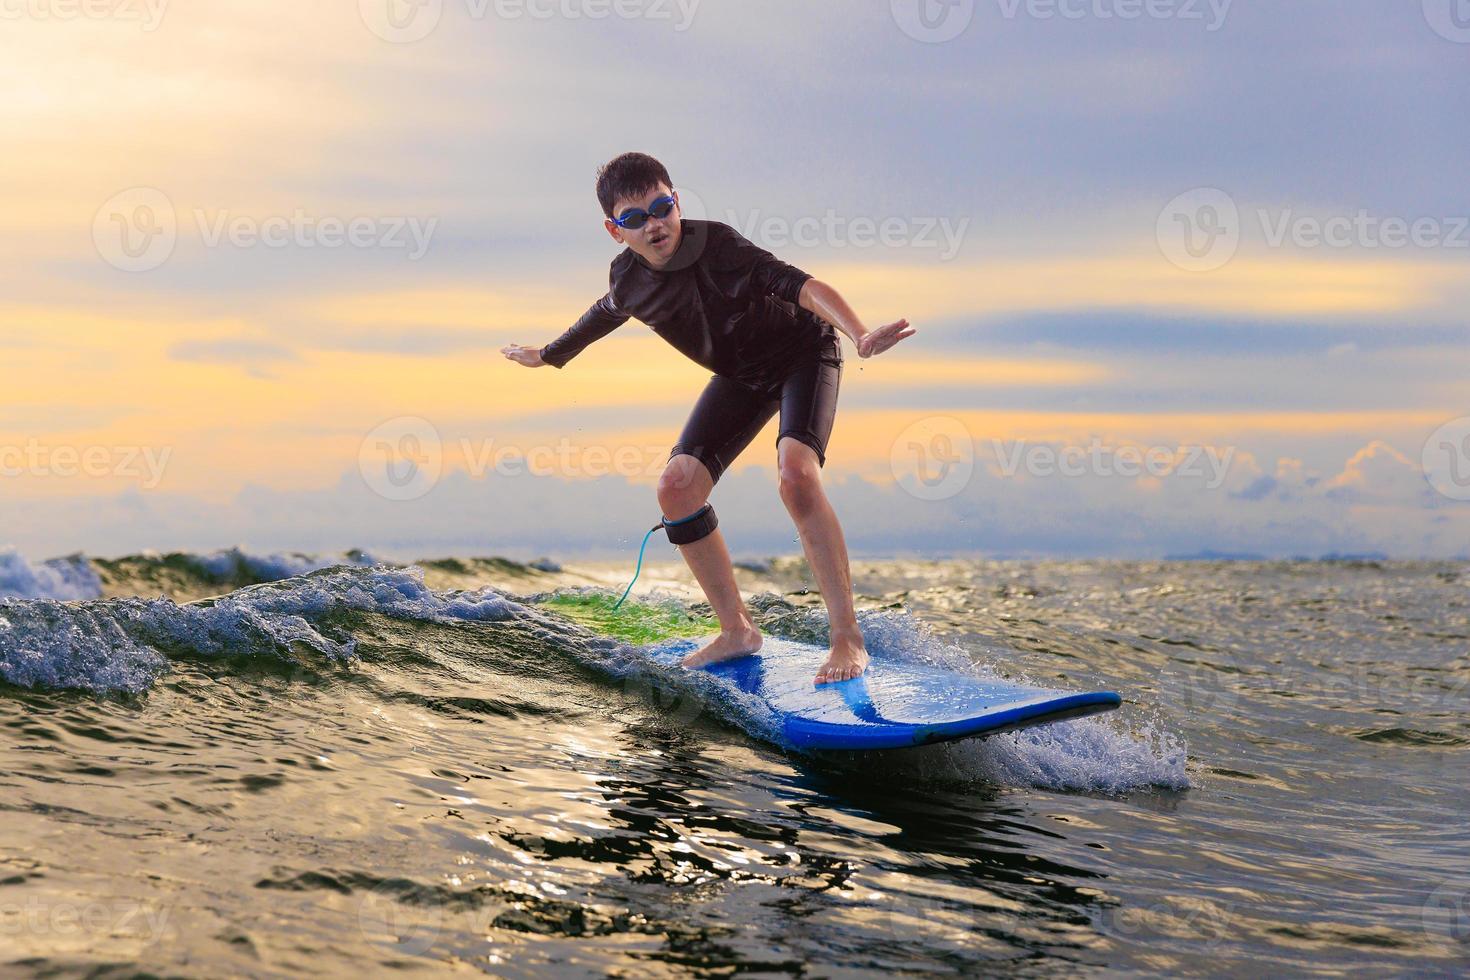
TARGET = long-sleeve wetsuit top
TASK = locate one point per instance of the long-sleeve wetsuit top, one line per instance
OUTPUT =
(721, 300)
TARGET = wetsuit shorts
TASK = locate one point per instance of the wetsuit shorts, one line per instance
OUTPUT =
(728, 415)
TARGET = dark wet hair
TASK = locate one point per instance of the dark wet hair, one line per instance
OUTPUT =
(628, 175)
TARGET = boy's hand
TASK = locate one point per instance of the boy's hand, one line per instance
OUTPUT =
(529, 356)
(878, 341)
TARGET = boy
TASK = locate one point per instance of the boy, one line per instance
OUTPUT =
(765, 329)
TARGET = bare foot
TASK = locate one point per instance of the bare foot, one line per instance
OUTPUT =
(727, 646)
(847, 660)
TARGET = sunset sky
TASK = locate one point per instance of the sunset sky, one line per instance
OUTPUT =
(248, 245)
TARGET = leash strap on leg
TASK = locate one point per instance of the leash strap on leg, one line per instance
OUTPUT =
(685, 530)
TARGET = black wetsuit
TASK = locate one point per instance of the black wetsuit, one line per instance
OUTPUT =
(731, 306)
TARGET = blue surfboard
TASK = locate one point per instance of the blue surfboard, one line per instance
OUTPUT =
(894, 704)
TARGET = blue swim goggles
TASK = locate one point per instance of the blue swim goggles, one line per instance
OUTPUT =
(635, 218)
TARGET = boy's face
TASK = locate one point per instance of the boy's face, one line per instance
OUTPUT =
(658, 239)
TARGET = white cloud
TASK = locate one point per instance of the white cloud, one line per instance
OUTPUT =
(527, 517)
(1379, 473)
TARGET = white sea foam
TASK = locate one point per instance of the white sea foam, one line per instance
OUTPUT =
(123, 645)
(227, 563)
(119, 644)
(71, 577)
(1087, 755)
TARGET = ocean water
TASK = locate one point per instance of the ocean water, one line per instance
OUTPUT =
(270, 765)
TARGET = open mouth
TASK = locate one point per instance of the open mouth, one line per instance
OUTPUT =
(658, 238)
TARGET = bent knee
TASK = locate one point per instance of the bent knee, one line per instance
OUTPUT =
(800, 483)
(684, 486)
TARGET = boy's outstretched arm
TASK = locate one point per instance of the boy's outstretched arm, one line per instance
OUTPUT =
(601, 319)
(521, 354)
(827, 303)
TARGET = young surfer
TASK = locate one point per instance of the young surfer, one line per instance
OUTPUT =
(766, 330)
